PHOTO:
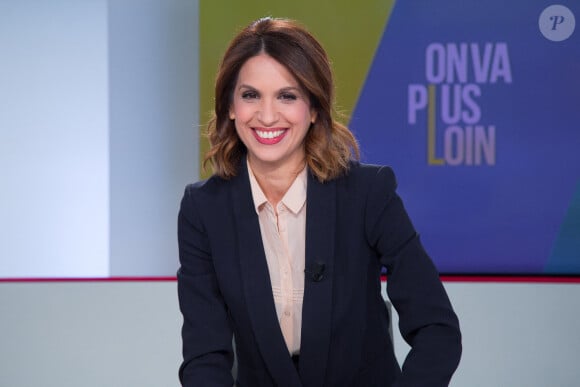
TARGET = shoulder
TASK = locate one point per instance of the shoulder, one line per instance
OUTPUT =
(366, 185)
(371, 174)
(201, 199)
(205, 194)
(206, 188)
(216, 186)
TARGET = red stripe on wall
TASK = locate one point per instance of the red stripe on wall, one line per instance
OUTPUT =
(507, 278)
(99, 279)
(444, 278)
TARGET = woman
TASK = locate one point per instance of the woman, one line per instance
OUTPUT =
(283, 246)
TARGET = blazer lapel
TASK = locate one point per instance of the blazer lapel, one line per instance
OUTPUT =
(257, 286)
(317, 305)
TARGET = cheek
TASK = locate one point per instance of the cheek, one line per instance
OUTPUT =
(242, 112)
(298, 113)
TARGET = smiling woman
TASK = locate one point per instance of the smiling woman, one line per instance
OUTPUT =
(283, 246)
(305, 76)
(272, 115)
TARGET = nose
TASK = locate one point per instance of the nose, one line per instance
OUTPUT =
(267, 113)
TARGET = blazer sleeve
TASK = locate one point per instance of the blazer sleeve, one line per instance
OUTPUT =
(206, 331)
(426, 318)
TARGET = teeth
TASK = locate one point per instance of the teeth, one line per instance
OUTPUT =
(269, 134)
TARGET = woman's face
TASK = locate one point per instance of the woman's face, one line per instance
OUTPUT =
(271, 113)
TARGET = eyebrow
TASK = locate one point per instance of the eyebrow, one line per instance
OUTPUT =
(288, 88)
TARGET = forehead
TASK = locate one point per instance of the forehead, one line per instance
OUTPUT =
(264, 70)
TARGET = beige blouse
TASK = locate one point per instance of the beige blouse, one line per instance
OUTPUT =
(284, 239)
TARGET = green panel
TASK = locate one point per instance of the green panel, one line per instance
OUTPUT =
(349, 31)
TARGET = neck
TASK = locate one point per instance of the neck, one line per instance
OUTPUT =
(275, 181)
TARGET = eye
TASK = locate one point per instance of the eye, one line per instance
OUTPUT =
(249, 94)
(286, 96)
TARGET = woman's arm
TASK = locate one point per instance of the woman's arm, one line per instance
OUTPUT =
(206, 331)
(426, 318)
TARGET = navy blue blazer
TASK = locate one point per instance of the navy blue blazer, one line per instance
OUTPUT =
(355, 224)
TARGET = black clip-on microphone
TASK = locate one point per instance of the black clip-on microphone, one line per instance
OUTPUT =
(316, 271)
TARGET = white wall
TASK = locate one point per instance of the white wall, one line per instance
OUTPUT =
(98, 135)
(89, 334)
(153, 66)
(54, 139)
(125, 334)
(515, 334)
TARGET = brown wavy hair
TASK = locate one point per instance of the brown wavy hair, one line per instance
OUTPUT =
(329, 145)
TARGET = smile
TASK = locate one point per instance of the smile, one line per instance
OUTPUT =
(269, 134)
(269, 137)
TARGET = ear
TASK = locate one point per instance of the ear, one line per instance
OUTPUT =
(313, 115)
(231, 113)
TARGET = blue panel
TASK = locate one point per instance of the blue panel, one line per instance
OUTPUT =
(504, 160)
